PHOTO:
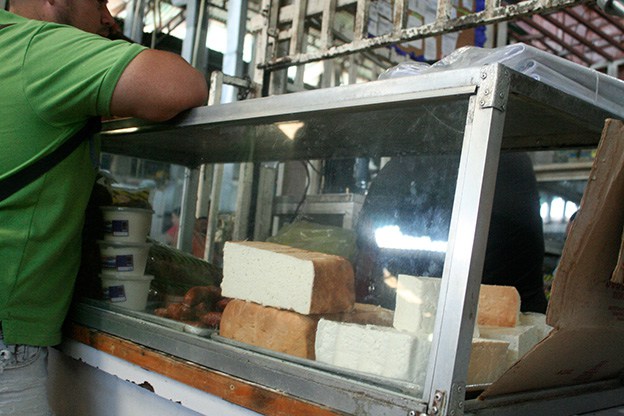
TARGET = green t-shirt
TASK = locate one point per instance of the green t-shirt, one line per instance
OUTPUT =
(54, 77)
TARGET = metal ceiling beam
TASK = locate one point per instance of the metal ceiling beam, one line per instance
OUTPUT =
(594, 28)
(574, 35)
(615, 21)
(553, 37)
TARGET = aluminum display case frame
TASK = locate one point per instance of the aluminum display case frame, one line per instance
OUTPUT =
(503, 110)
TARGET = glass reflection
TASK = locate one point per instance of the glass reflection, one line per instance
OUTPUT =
(404, 226)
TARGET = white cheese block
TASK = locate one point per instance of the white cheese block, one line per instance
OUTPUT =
(287, 331)
(416, 304)
(538, 320)
(287, 278)
(372, 349)
(488, 361)
(520, 338)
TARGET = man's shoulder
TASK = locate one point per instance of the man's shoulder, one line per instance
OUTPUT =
(8, 18)
(11, 22)
(22, 27)
(34, 27)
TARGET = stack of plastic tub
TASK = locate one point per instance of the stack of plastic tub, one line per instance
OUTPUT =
(123, 252)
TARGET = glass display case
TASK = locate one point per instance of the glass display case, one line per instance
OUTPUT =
(437, 139)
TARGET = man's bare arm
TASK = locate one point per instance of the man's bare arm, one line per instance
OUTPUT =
(157, 85)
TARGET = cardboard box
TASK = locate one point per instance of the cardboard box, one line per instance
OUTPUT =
(586, 308)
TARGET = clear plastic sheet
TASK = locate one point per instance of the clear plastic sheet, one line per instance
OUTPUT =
(317, 237)
(584, 83)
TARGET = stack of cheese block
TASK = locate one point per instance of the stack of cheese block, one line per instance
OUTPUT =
(280, 293)
(400, 352)
(505, 334)
(302, 303)
(502, 335)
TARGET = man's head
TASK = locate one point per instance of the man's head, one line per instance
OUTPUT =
(89, 15)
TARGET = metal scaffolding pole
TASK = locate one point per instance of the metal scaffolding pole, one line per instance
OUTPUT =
(134, 24)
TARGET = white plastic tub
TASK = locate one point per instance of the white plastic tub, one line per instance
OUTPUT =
(128, 259)
(126, 291)
(126, 224)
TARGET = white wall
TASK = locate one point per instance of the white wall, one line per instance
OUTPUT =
(108, 386)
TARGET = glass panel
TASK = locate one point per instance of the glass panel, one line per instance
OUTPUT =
(561, 179)
(536, 195)
(377, 183)
(386, 130)
(404, 223)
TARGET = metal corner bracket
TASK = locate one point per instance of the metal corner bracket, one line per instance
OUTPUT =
(437, 404)
(493, 86)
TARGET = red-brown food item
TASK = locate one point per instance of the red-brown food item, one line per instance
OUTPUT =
(201, 309)
(221, 304)
(211, 319)
(199, 294)
(180, 312)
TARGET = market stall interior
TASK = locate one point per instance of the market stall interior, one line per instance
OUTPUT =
(402, 245)
(384, 297)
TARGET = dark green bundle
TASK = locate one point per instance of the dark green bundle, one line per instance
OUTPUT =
(175, 271)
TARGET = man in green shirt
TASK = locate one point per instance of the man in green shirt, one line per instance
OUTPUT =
(58, 71)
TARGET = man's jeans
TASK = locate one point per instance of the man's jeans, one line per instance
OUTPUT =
(23, 376)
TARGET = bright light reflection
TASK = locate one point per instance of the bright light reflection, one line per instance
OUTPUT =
(290, 128)
(311, 75)
(391, 236)
(123, 131)
(570, 208)
(544, 211)
(556, 209)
